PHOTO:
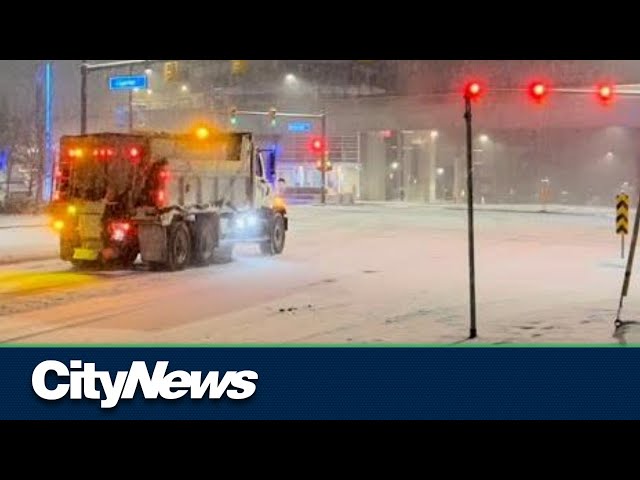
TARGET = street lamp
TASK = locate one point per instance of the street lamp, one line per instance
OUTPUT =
(290, 78)
(434, 134)
(395, 165)
(148, 71)
(184, 88)
(484, 138)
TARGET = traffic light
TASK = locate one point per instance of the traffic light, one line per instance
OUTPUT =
(605, 93)
(538, 91)
(233, 116)
(473, 90)
(170, 71)
(327, 165)
(238, 67)
(272, 116)
(317, 145)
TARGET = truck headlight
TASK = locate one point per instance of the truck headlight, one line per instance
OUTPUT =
(252, 221)
(245, 221)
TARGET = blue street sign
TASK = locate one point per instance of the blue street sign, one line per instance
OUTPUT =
(300, 127)
(128, 82)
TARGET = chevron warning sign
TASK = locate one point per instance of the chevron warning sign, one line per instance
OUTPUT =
(622, 214)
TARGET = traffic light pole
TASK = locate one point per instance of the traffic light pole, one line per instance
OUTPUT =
(83, 97)
(325, 155)
(473, 333)
(130, 103)
(85, 68)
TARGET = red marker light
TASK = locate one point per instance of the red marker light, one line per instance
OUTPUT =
(134, 152)
(110, 152)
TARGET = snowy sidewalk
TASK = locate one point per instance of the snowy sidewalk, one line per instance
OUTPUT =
(13, 221)
(537, 208)
(26, 238)
(595, 211)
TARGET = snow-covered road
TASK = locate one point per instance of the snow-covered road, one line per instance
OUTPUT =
(351, 274)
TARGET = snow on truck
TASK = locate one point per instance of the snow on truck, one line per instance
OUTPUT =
(173, 199)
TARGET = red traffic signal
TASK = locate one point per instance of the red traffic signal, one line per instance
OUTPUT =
(538, 91)
(317, 145)
(473, 90)
(605, 92)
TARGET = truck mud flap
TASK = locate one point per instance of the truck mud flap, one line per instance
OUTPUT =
(86, 254)
(153, 242)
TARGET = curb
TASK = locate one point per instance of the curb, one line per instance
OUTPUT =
(15, 227)
(34, 258)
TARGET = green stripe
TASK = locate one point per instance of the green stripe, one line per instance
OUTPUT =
(326, 345)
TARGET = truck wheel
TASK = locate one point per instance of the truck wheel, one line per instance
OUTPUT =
(205, 241)
(178, 247)
(275, 244)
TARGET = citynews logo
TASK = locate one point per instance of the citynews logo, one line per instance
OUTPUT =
(82, 381)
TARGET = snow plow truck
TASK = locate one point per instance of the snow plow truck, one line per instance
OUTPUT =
(174, 200)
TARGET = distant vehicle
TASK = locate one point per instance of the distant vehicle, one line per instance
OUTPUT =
(173, 199)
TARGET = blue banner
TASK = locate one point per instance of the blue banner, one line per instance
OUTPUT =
(318, 383)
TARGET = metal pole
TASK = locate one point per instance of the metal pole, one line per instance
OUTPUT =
(432, 168)
(83, 97)
(472, 287)
(622, 246)
(325, 156)
(130, 103)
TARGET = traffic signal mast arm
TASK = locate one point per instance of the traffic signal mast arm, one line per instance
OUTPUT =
(123, 63)
(280, 114)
